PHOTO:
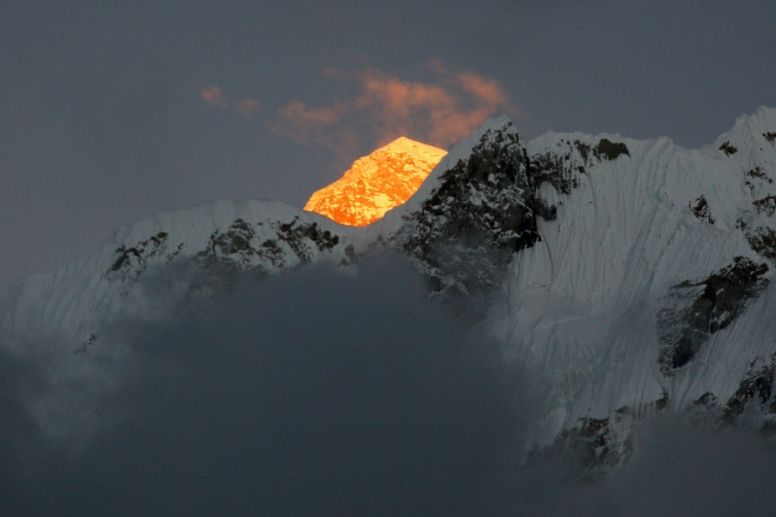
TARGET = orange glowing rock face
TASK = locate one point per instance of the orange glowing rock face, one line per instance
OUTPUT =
(376, 183)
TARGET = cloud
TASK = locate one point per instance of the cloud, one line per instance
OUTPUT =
(321, 116)
(405, 107)
(681, 470)
(214, 96)
(248, 106)
(441, 111)
(318, 126)
(319, 393)
(489, 91)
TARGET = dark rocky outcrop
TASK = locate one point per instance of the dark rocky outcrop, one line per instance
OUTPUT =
(770, 136)
(484, 210)
(131, 261)
(465, 232)
(583, 149)
(755, 397)
(606, 149)
(756, 388)
(706, 402)
(555, 169)
(766, 205)
(728, 148)
(756, 175)
(295, 234)
(700, 208)
(237, 246)
(234, 241)
(599, 444)
(763, 240)
(714, 303)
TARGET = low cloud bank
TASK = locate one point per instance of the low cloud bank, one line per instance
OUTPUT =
(320, 393)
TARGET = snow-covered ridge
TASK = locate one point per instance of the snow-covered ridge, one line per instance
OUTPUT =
(588, 304)
(265, 236)
(648, 285)
(393, 219)
(631, 274)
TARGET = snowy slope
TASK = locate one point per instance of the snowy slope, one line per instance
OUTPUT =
(631, 299)
(261, 236)
(583, 305)
(630, 275)
(61, 318)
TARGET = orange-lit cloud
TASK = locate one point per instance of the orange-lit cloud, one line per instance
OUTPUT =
(321, 116)
(440, 112)
(489, 91)
(248, 106)
(213, 96)
(318, 126)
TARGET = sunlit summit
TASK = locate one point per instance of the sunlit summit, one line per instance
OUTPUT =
(376, 183)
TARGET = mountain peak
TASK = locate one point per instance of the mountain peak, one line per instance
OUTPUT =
(631, 276)
(377, 182)
(404, 144)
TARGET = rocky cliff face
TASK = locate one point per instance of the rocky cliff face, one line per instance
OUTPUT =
(484, 210)
(710, 305)
(486, 206)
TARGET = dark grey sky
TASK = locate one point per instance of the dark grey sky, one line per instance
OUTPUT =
(102, 118)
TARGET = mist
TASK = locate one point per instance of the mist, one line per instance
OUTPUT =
(332, 392)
